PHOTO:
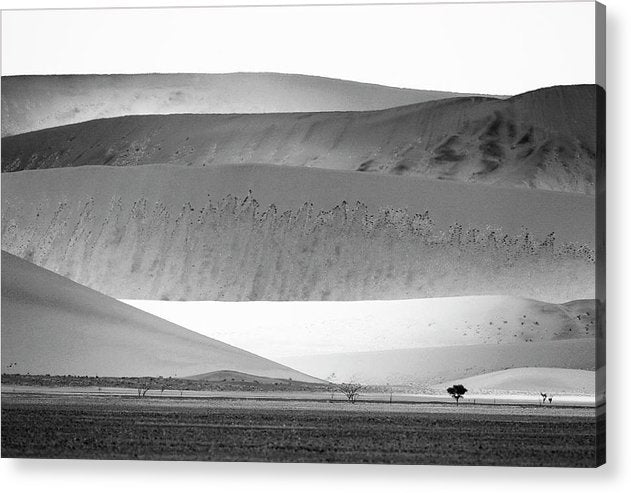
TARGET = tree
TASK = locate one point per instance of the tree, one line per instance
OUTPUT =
(350, 390)
(331, 379)
(457, 391)
(390, 390)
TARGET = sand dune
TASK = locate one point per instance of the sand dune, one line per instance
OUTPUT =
(33, 102)
(288, 329)
(430, 366)
(402, 342)
(51, 325)
(533, 380)
(168, 232)
(544, 139)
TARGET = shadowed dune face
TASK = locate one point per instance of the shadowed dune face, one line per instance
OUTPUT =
(544, 139)
(159, 232)
(35, 102)
(51, 325)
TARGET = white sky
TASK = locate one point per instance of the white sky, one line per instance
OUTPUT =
(483, 48)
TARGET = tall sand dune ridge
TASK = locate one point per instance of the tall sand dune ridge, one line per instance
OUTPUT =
(172, 233)
(544, 139)
(35, 102)
(51, 325)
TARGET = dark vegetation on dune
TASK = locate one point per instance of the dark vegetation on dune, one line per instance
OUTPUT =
(235, 250)
(543, 139)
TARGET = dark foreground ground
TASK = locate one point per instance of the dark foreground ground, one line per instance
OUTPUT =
(94, 427)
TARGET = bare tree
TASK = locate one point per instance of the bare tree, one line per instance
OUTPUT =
(331, 379)
(350, 390)
(142, 392)
(144, 387)
(389, 390)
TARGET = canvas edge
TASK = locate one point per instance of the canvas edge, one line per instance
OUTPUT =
(600, 267)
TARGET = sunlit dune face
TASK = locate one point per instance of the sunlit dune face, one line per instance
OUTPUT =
(281, 329)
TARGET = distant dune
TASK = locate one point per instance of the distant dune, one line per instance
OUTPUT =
(34, 102)
(404, 342)
(534, 380)
(544, 139)
(51, 325)
(174, 233)
(292, 328)
(419, 367)
(237, 377)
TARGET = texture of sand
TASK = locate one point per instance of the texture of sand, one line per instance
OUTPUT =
(544, 139)
(51, 325)
(169, 232)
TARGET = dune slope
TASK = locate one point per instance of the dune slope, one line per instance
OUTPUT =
(51, 325)
(544, 139)
(167, 232)
(34, 102)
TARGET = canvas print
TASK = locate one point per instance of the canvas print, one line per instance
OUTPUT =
(343, 234)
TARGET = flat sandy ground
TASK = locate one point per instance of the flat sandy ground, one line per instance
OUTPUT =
(434, 395)
(231, 429)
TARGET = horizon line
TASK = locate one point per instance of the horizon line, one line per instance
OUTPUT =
(295, 74)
